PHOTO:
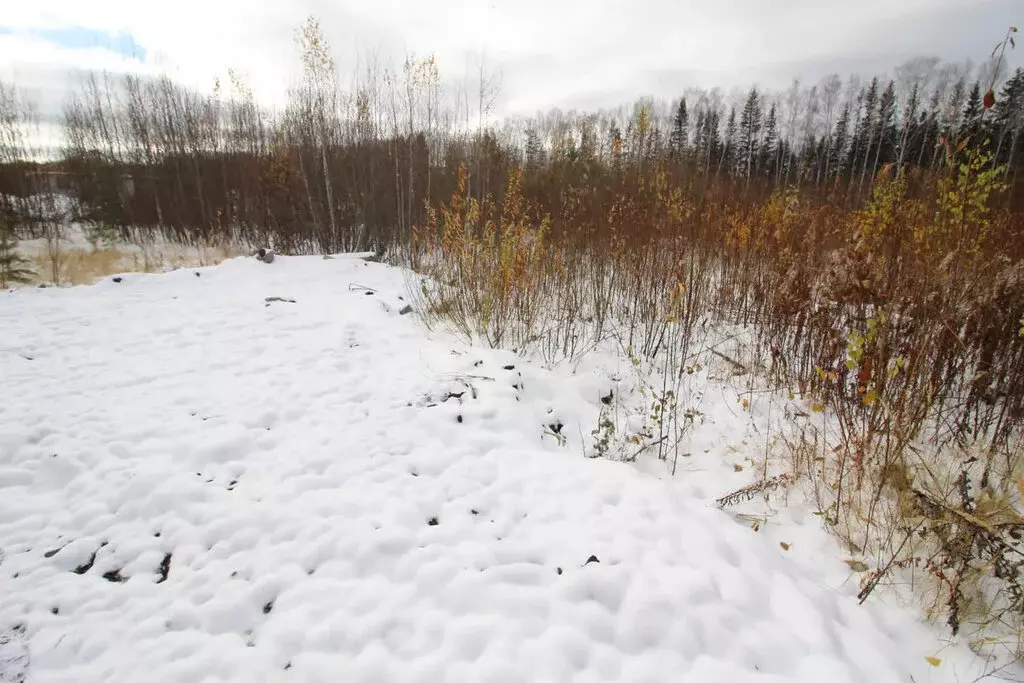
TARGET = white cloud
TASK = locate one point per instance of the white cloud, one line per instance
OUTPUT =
(551, 52)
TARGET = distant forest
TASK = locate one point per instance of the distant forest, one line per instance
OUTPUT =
(355, 165)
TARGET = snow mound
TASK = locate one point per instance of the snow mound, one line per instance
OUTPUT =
(268, 474)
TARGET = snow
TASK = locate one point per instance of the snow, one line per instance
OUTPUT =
(260, 472)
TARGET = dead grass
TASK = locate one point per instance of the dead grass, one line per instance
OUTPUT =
(900, 321)
(86, 266)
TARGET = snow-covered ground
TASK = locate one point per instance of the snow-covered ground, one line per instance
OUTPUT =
(262, 472)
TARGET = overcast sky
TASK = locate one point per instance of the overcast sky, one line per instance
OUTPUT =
(551, 53)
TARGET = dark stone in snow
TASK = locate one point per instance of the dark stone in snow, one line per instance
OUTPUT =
(197, 273)
(556, 427)
(116, 279)
(268, 607)
(165, 568)
(55, 610)
(432, 521)
(368, 294)
(459, 419)
(607, 399)
(559, 570)
(83, 568)
(509, 367)
(592, 558)
(114, 576)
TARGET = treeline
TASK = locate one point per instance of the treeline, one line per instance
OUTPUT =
(355, 167)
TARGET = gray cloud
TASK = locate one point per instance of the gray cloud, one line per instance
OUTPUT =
(553, 53)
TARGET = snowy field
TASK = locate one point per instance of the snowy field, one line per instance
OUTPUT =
(199, 484)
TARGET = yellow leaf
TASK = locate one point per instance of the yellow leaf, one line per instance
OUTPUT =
(746, 404)
(857, 565)
(785, 546)
(1020, 485)
(934, 661)
(737, 468)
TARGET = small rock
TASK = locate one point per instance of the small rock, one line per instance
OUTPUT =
(114, 576)
(432, 521)
(116, 279)
(268, 607)
(459, 419)
(198, 273)
(559, 570)
(592, 558)
(165, 568)
(86, 566)
(509, 367)
(405, 310)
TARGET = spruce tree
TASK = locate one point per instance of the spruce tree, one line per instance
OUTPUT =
(713, 137)
(954, 106)
(1009, 118)
(770, 143)
(930, 130)
(534, 151)
(910, 125)
(679, 138)
(864, 134)
(970, 118)
(749, 134)
(885, 129)
(728, 157)
(840, 140)
(699, 141)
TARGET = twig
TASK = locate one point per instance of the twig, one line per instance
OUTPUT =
(873, 582)
(736, 363)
